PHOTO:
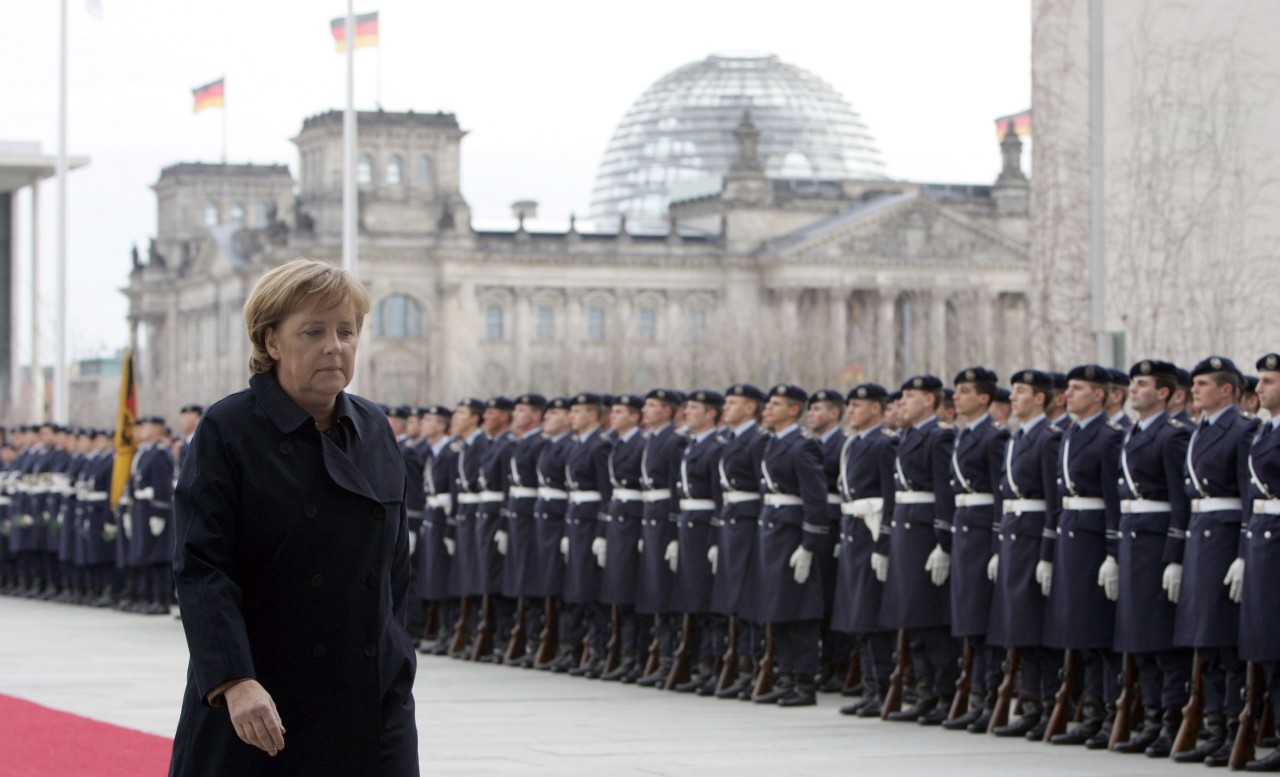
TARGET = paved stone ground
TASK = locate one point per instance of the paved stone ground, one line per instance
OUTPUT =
(487, 720)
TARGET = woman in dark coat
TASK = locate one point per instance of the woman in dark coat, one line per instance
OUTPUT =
(292, 558)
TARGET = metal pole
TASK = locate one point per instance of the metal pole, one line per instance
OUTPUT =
(37, 369)
(349, 203)
(1097, 188)
(60, 363)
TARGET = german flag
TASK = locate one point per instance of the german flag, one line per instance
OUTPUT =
(208, 96)
(366, 31)
(126, 417)
(1021, 124)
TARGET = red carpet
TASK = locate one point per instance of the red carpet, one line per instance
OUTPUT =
(40, 742)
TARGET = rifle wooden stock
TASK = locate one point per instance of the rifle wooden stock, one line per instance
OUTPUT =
(964, 683)
(893, 699)
(547, 641)
(613, 650)
(680, 661)
(1004, 694)
(654, 658)
(484, 630)
(1062, 699)
(1244, 749)
(853, 677)
(1126, 711)
(729, 663)
(1193, 712)
(516, 645)
(764, 674)
(458, 644)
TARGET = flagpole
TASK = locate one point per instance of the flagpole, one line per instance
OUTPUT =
(350, 261)
(60, 364)
(379, 80)
(224, 121)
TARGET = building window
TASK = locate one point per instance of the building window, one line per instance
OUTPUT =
(211, 214)
(648, 325)
(394, 165)
(697, 323)
(397, 317)
(262, 213)
(424, 170)
(236, 214)
(364, 168)
(493, 322)
(546, 323)
(595, 324)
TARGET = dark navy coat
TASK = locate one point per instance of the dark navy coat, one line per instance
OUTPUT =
(975, 469)
(659, 472)
(825, 556)
(1151, 469)
(464, 572)
(549, 511)
(491, 515)
(151, 489)
(622, 521)
(415, 454)
(700, 480)
(22, 533)
(736, 526)
(867, 474)
(1259, 606)
(586, 470)
(1219, 457)
(911, 600)
(432, 580)
(1029, 472)
(792, 466)
(520, 567)
(93, 512)
(67, 508)
(292, 568)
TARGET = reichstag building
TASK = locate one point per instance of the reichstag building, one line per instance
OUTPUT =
(741, 227)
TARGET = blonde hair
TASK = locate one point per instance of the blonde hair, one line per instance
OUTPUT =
(293, 285)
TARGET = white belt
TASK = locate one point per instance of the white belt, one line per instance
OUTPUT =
(1021, 506)
(442, 501)
(552, 493)
(4, 500)
(694, 505)
(468, 499)
(492, 496)
(782, 500)
(1083, 503)
(1128, 506)
(1266, 507)
(834, 499)
(734, 497)
(522, 492)
(914, 498)
(974, 500)
(582, 497)
(863, 507)
(1216, 504)
(656, 494)
(150, 493)
(627, 495)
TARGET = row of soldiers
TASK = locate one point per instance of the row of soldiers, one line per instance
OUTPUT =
(61, 539)
(1079, 579)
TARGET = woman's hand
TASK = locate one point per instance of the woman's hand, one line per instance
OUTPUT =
(254, 715)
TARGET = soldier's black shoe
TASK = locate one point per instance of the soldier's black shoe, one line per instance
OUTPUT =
(915, 711)
(624, 668)
(802, 695)
(631, 677)
(963, 722)
(1269, 764)
(1037, 734)
(594, 669)
(743, 683)
(583, 668)
(1215, 729)
(781, 687)
(659, 675)
(1143, 737)
(980, 725)
(1222, 756)
(1078, 735)
(939, 714)
(832, 684)
(695, 682)
(872, 708)
(1023, 726)
(852, 709)
(708, 687)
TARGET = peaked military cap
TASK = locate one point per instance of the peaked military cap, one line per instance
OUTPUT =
(197, 409)
(1215, 364)
(608, 399)
(922, 383)
(1183, 377)
(789, 391)
(1034, 378)
(532, 400)
(436, 410)
(1058, 379)
(586, 398)
(665, 395)
(976, 375)
(1269, 362)
(867, 391)
(894, 397)
(706, 397)
(1250, 383)
(1153, 367)
(151, 419)
(1119, 377)
(948, 392)
(745, 390)
(473, 404)
(400, 411)
(1094, 373)
(1002, 395)
(826, 395)
(500, 403)
(629, 400)
(559, 403)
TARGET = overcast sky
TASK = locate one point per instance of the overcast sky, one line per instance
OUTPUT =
(538, 86)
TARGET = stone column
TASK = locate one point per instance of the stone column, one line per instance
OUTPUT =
(838, 351)
(937, 360)
(886, 337)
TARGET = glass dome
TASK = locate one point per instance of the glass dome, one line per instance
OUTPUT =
(677, 140)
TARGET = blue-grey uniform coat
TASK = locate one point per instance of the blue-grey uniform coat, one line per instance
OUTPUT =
(622, 521)
(491, 515)
(432, 579)
(520, 567)
(151, 537)
(736, 526)
(586, 470)
(867, 473)
(550, 510)
(659, 472)
(1259, 605)
(975, 469)
(699, 480)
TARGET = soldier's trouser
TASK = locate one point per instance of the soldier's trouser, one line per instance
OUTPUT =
(504, 619)
(1164, 675)
(1040, 667)
(1102, 674)
(580, 622)
(987, 671)
(940, 653)
(836, 649)
(667, 633)
(1222, 680)
(1271, 675)
(876, 652)
(751, 638)
(715, 637)
(797, 647)
(633, 639)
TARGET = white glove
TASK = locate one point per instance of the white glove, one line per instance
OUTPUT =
(155, 524)
(713, 556)
(672, 556)
(564, 547)
(801, 561)
(598, 546)
(500, 539)
(1235, 579)
(938, 565)
(835, 552)
(640, 546)
(1172, 581)
(413, 542)
(993, 566)
(1044, 575)
(450, 545)
(1109, 578)
(880, 565)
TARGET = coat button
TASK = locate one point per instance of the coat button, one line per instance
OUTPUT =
(964, 528)
(286, 447)
(1266, 534)
(371, 581)
(1071, 534)
(1133, 534)
(379, 512)
(318, 651)
(371, 650)
(309, 511)
(317, 581)
(1206, 532)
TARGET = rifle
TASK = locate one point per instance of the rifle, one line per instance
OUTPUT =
(547, 642)
(1243, 751)
(1004, 694)
(680, 661)
(515, 646)
(893, 699)
(1192, 713)
(853, 677)
(484, 632)
(654, 658)
(764, 676)
(960, 703)
(1062, 699)
(459, 644)
(1127, 711)
(613, 650)
(729, 670)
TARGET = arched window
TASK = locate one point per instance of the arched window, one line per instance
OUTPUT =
(211, 214)
(424, 170)
(397, 317)
(364, 168)
(394, 165)
(236, 214)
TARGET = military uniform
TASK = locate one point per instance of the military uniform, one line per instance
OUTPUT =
(520, 568)
(95, 553)
(549, 530)
(464, 572)
(659, 473)
(622, 530)
(587, 477)
(836, 646)
(151, 540)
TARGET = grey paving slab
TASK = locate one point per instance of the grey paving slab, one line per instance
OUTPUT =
(486, 720)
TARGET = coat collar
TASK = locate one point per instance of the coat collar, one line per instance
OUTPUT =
(288, 416)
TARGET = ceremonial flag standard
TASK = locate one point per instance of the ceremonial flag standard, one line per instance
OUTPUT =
(366, 31)
(1021, 124)
(208, 96)
(126, 417)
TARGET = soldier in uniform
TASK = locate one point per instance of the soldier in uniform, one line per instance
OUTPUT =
(188, 419)
(826, 410)
(550, 508)
(464, 569)
(1028, 497)
(618, 551)
(1216, 478)
(975, 476)
(1001, 408)
(1249, 394)
(497, 612)
(8, 460)
(892, 412)
(732, 556)
(866, 488)
(151, 539)
(436, 539)
(947, 410)
(94, 552)
(398, 418)
(792, 529)
(1117, 393)
(72, 572)
(414, 450)
(1150, 555)
(517, 542)
(1057, 411)
(1179, 404)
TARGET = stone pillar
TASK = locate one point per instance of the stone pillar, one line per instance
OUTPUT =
(886, 337)
(984, 331)
(937, 359)
(522, 331)
(838, 350)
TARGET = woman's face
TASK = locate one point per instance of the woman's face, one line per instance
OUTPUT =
(315, 352)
